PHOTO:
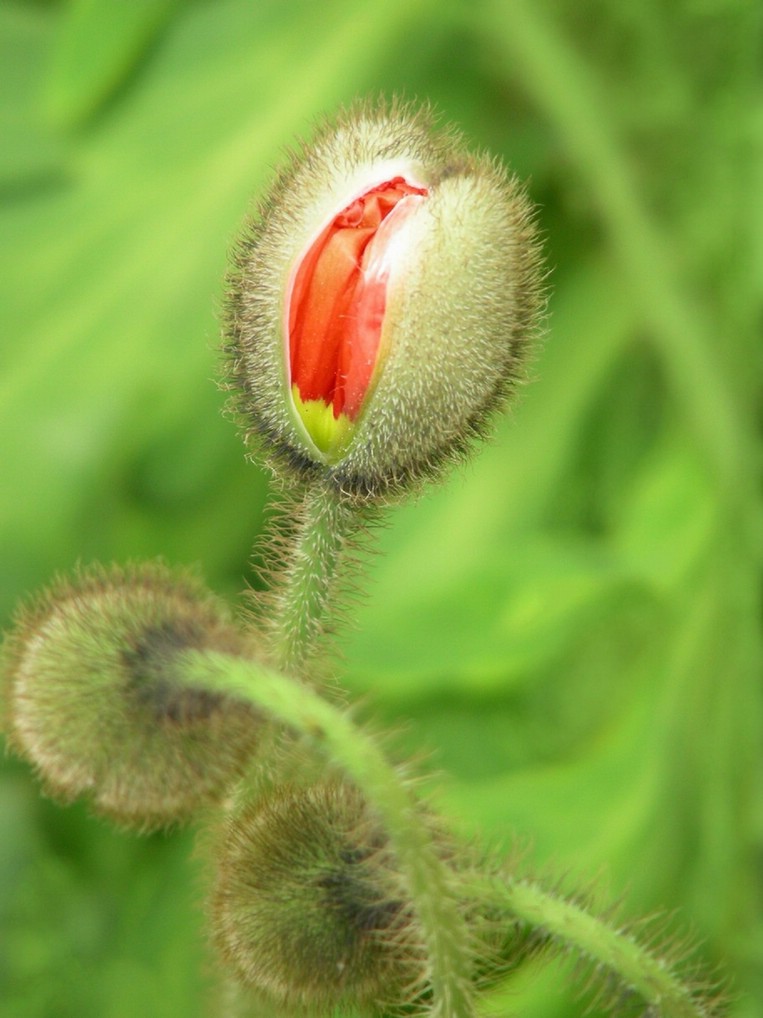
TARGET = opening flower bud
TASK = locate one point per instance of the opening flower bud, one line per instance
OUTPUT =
(95, 698)
(381, 303)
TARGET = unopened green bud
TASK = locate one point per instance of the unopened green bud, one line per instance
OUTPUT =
(381, 304)
(308, 908)
(95, 697)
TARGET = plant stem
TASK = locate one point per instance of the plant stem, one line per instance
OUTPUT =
(569, 95)
(614, 951)
(428, 880)
(297, 609)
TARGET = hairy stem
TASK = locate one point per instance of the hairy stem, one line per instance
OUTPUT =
(297, 609)
(615, 951)
(428, 880)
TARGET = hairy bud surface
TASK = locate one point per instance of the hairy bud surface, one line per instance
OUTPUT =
(96, 701)
(381, 303)
(308, 908)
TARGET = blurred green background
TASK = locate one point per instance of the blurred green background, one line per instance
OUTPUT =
(571, 625)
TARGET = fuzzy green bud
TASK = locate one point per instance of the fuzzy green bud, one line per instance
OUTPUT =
(95, 698)
(308, 908)
(381, 303)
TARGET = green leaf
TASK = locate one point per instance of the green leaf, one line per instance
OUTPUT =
(100, 44)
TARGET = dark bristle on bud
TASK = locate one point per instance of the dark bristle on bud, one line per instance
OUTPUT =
(95, 698)
(308, 909)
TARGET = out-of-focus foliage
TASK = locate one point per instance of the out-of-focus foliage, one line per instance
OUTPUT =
(572, 624)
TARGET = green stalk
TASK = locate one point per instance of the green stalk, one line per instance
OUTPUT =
(428, 881)
(297, 609)
(614, 951)
(566, 92)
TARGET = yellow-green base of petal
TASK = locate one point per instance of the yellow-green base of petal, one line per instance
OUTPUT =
(331, 435)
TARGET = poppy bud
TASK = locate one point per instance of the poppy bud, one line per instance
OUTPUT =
(308, 908)
(381, 302)
(95, 696)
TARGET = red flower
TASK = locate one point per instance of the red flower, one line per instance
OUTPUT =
(336, 307)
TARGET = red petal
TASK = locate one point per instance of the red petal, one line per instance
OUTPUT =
(338, 299)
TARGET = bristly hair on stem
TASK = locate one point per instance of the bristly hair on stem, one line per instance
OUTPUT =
(458, 909)
(623, 967)
(429, 882)
(312, 555)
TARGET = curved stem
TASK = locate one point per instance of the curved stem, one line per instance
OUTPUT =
(571, 927)
(428, 880)
(297, 609)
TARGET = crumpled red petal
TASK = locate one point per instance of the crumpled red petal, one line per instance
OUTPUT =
(338, 298)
